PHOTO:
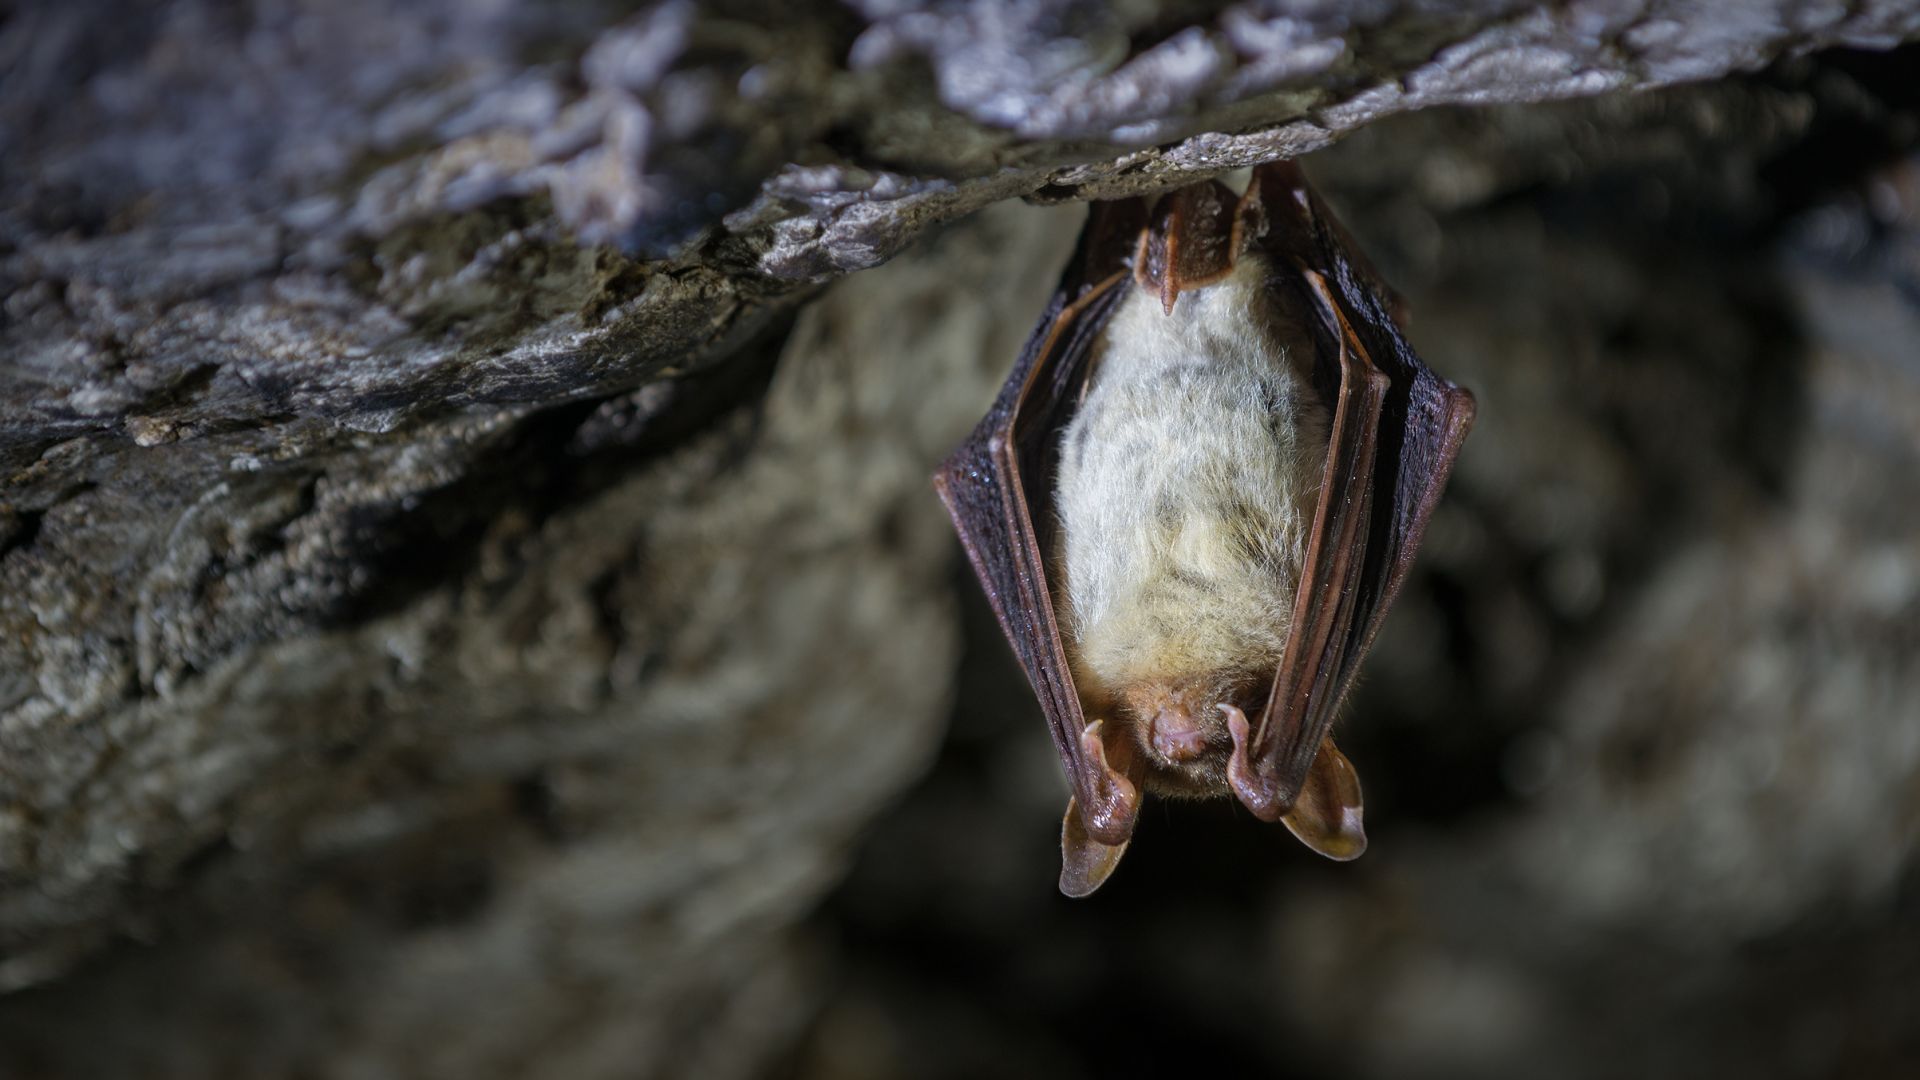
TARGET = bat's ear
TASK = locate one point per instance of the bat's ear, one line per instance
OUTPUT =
(1085, 863)
(1327, 814)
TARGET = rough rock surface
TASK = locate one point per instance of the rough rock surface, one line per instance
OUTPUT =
(590, 782)
(410, 609)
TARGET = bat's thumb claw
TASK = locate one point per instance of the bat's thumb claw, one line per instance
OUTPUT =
(1113, 804)
(1237, 727)
(1327, 815)
(1256, 789)
(1085, 863)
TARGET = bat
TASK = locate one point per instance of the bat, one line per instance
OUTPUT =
(1194, 500)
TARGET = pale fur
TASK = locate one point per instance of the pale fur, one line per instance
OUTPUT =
(1187, 485)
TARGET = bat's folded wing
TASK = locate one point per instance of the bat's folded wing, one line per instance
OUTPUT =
(1397, 429)
(997, 488)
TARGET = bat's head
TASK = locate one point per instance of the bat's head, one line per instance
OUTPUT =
(1181, 732)
(1188, 738)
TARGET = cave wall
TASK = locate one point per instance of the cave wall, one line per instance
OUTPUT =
(464, 542)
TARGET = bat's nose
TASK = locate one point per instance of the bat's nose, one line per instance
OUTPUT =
(1178, 736)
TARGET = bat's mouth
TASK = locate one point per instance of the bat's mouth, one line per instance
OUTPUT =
(1177, 737)
(1185, 752)
(1185, 742)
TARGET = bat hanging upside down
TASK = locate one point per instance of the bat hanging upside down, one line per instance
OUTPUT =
(1194, 500)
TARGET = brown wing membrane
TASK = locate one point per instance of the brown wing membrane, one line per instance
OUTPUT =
(1268, 769)
(1397, 429)
(996, 485)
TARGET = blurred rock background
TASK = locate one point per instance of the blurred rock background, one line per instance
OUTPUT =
(1641, 744)
(471, 605)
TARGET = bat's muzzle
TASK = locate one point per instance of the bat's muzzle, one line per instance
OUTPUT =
(1177, 736)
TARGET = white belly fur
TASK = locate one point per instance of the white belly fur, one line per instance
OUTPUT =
(1187, 485)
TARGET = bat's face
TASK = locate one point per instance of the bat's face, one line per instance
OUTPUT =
(1180, 731)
